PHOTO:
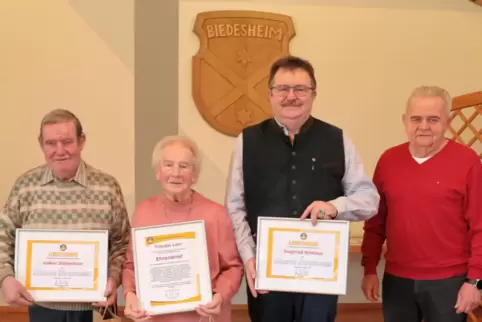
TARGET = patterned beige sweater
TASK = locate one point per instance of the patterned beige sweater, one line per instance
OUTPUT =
(91, 200)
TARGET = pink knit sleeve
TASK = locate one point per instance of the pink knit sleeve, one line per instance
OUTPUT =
(128, 279)
(128, 276)
(231, 266)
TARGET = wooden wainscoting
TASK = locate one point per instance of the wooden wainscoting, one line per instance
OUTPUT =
(347, 312)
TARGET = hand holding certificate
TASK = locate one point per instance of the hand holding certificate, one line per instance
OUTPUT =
(62, 265)
(171, 267)
(295, 256)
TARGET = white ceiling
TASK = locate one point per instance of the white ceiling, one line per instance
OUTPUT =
(455, 5)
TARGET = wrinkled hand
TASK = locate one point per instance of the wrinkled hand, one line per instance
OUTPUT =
(132, 310)
(14, 293)
(468, 298)
(110, 293)
(212, 308)
(251, 276)
(319, 210)
(371, 287)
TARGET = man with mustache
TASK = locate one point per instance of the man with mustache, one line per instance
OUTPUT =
(430, 215)
(65, 193)
(293, 165)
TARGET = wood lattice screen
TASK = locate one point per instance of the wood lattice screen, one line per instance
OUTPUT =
(466, 121)
(466, 128)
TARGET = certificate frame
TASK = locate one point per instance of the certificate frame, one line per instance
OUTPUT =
(309, 246)
(192, 235)
(62, 248)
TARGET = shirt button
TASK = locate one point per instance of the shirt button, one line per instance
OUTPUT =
(295, 212)
(293, 153)
(294, 196)
(293, 181)
(293, 167)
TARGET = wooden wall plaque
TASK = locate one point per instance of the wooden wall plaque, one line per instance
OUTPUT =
(479, 2)
(231, 68)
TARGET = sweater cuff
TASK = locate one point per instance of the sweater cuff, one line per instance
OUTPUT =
(370, 270)
(474, 273)
(115, 274)
(4, 273)
(129, 291)
(223, 287)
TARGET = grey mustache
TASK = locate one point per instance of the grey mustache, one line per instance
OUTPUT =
(292, 103)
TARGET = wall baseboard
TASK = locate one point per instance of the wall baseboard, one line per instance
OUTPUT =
(342, 307)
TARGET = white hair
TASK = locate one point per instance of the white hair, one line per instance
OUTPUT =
(432, 91)
(176, 139)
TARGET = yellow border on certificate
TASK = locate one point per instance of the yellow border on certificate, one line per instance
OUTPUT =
(195, 298)
(151, 240)
(271, 231)
(28, 268)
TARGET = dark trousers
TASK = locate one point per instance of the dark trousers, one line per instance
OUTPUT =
(289, 307)
(42, 314)
(407, 300)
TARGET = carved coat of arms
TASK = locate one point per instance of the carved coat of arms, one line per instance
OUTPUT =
(230, 71)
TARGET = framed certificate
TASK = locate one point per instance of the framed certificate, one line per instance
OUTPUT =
(171, 267)
(62, 265)
(295, 256)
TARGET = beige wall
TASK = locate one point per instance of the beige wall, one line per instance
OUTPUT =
(366, 60)
(54, 56)
(67, 54)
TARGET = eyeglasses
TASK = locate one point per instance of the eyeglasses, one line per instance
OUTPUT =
(298, 90)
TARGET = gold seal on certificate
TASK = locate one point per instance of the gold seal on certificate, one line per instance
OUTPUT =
(62, 265)
(295, 256)
(171, 267)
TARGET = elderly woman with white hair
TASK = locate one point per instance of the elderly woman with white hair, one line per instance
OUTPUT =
(176, 162)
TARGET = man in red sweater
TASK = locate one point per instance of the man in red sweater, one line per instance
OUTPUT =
(430, 215)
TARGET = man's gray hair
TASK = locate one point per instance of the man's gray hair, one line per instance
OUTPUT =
(432, 91)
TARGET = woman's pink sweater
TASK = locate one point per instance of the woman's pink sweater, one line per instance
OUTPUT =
(225, 264)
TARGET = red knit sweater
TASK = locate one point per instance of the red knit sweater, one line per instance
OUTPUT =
(430, 214)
